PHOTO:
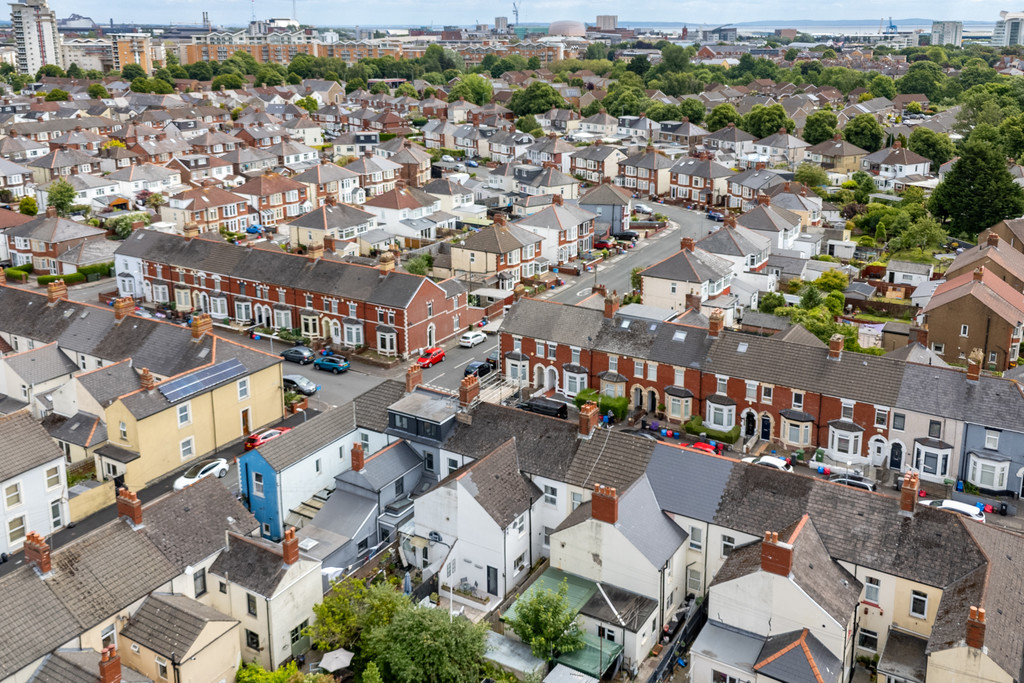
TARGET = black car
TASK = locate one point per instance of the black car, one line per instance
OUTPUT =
(303, 355)
(624, 236)
(480, 368)
(545, 406)
(299, 384)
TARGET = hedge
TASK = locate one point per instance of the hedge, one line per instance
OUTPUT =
(16, 274)
(97, 268)
(696, 427)
(619, 406)
(68, 278)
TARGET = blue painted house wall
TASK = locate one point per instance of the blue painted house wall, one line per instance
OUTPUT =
(265, 508)
(1010, 451)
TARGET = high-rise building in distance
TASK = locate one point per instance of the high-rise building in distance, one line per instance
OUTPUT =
(947, 33)
(1009, 29)
(607, 22)
(35, 35)
(501, 24)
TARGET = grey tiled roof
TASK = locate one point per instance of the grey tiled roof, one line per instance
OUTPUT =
(171, 624)
(688, 483)
(41, 364)
(646, 527)
(611, 459)
(498, 485)
(384, 466)
(81, 429)
(253, 563)
(24, 444)
(690, 266)
(106, 384)
(79, 666)
(799, 657)
(371, 406)
(561, 323)
(308, 437)
(992, 401)
(37, 615)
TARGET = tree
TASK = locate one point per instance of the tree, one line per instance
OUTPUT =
(27, 206)
(771, 301)
(832, 280)
(537, 98)
(810, 297)
(791, 54)
(51, 70)
(834, 302)
(132, 71)
(423, 645)
(380, 88)
(75, 71)
(693, 109)
(864, 131)
(922, 234)
(721, 116)
(923, 77)
(545, 621)
(635, 279)
(763, 121)
(820, 126)
(406, 89)
(596, 51)
(936, 147)
(1011, 130)
(639, 65)
(57, 95)
(98, 92)
(371, 674)
(61, 196)
(978, 191)
(810, 174)
(160, 87)
(308, 103)
(865, 186)
(625, 101)
(473, 88)
(156, 200)
(914, 107)
(882, 86)
(227, 82)
(527, 124)
(113, 142)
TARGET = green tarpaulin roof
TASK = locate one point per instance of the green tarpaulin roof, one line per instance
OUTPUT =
(595, 658)
(580, 589)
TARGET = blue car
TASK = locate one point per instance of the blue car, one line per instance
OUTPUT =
(471, 163)
(254, 229)
(333, 364)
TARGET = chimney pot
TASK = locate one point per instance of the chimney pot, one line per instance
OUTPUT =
(110, 665)
(51, 212)
(974, 360)
(358, 457)
(975, 634)
(604, 504)
(979, 273)
(992, 239)
(190, 231)
(687, 244)
(201, 324)
(835, 346)
(37, 552)
(146, 379)
(469, 390)
(729, 221)
(413, 378)
(611, 304)
(56, 290)
(908, 494)
(123, 306)
(764, 200)
(290, 547)
(693, 301)
(315, 252)
(589, 417)
(556, 199)
(776, 558)
(129, 505)
(716, 322)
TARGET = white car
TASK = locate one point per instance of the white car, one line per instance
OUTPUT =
(216, 467)
(471, 339)
(770, 461)
(642, 208)
(950, 505)
(448, 159)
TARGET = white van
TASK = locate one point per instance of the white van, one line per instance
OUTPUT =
(969, 511)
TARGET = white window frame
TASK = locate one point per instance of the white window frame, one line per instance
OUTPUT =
(1000, 473)
(187, 448)
(697, 539)
(872, 589)
(243, 388)
(16, 494)
(728, 545)
(992, 439)
(550, 495)
(257, 484)
(184, 413)
(916, 597)
(766, 393)
(798, 400)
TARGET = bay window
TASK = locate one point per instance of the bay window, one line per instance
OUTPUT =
(844, 439)
(575, 382)
(986, 473)
(721, 412)
(931, 457)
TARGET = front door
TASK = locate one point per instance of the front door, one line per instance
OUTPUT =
(492, 580)
(245, 423)
(896, 456)
(766, 428)
(749, 424)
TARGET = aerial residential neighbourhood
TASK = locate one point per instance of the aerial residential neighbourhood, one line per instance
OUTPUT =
(376, 344)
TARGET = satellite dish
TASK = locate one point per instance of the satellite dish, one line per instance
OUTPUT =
(434, 536)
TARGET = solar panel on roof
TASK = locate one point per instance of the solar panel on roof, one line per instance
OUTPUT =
(183, 387)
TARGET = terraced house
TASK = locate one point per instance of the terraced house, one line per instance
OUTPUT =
(344, 304)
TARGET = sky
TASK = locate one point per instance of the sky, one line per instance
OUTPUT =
(419, 12)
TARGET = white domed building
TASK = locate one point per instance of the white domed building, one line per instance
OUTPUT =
(567, 28)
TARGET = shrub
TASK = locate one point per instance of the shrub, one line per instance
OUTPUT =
(696, 426)
(100, 268)
(16, 274)
(69, 278)
(619, 406)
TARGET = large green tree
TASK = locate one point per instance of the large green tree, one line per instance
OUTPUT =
(936, 147)
(978, 192)
(763, 121)
(27, 206)
(61, 196)
(98, 92)
(545, 621)
(350, 610)
(424, 645)
(472, 88)
(864, 131)
(923, 77)
(721, 116)
(693, 109)
(57, 95)
(820, 126)
(811, 174)
(882, 86)
(132, 71)
(537, 98)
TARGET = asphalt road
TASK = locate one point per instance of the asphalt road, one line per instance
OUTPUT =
(449, 373)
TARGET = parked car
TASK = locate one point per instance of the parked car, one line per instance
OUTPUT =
(643, 208)
(624, 236)
(644, 434)
(257, 439)
(545, 406)
(212, 467)
(300, 384)
(704, 446)
(303, 355)
(430, 357)
(604, 244)
(780, 464)
(950, 505)
(448, 159)
(854, 480)
(472, 164)
(333, 364)
(716, 216)
(494, 358)
(480, 368)
(471, 339)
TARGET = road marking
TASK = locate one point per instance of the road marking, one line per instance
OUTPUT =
(468, 360)
(583, 292)
(438, 377)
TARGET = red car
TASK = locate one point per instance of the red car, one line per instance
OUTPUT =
(604, 244)
(257, 439)
(431, 356)
(706, 447)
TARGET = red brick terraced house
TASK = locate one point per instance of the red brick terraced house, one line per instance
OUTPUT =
(276, 198)
(346, 305)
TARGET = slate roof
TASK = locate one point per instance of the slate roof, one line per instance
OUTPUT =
(688, 483)
(81, 429)
(798, 657)
(253, 563)
(497, 484)
(836, 148)
(690, 266)
(609, 458)
(107, 383)
(353, 281)
(798, 334)
(768, 322)
(1002, 253)
(333, 217)
(24, 445)
(384, 466)
(769, 219)
(500, 239)
(325, 173)
(736, 242)
(702, 168)
(171, 624)
(561, 323)
(79, 666)
(308, 437)
(606, 195)
(371, 406)
(41, 364)
(647, 528)
(54, 230)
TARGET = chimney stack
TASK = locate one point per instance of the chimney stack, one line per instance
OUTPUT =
(110, 665)
(979, 273)
(897, 145)
(129, 505)
(51, 212)
(589, 417)
(191, 231)
(716, 322)
(908, 494)
(55, 291)
(835, 346)
(122, 307)
(387, 263)
(919, 334)
(358, 457)
(413, 378)
(315, 251)
(469, 390)
(611, 304)
(776, 557)
(604, 504)
(729, 220)
(290, 547)
(556, 199)
(3, 277)
(146, 380)
(975, 636)
(974, 360)
(764, 200)
(37, 552)
(687, 244)
(201, 324)
(992, 239)
(693, 302)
